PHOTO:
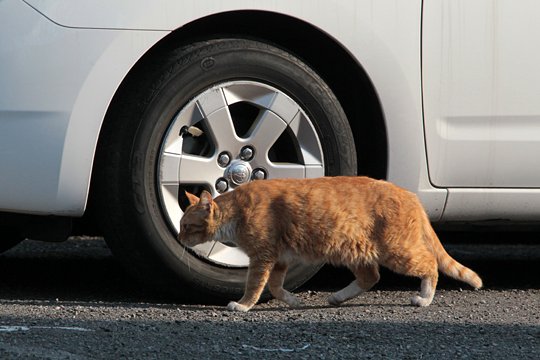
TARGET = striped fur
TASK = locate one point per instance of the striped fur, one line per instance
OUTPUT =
(358, 222)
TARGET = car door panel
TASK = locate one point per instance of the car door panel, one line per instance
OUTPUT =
(481, 88)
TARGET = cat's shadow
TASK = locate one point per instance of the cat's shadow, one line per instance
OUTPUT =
(279, 307)
(308, 307)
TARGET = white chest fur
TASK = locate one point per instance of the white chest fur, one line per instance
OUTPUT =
(226, 234)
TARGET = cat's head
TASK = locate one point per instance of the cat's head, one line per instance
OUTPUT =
(195, 224)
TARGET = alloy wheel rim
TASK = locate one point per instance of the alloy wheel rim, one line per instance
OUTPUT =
(251, 131)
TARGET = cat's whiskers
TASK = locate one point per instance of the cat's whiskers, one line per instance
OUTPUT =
(182, 257)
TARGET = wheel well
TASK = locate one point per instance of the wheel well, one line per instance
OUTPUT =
(324, 54)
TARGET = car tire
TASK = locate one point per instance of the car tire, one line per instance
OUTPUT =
(138, 168)
(9, 238)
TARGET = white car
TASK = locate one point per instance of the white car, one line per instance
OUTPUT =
(108, 108)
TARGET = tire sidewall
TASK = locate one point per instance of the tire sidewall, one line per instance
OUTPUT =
(202, 66)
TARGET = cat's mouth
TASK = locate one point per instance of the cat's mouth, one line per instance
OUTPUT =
(185, 242)
(189, 242)
(229, 243)
(193, 242)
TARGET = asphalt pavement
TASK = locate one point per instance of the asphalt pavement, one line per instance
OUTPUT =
(73, 301)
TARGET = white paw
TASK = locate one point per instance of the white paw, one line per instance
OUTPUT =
(420, 301)
(334, 300)
(295, 303)
(234, 306)
(347, 293)
(292, 300)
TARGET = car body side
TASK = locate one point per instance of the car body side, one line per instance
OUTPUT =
(63, 62)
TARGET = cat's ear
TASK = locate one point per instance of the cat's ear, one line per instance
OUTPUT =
(206, 199)
(186, 199)
(192, 198)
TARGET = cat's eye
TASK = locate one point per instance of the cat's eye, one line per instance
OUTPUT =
(189, 228)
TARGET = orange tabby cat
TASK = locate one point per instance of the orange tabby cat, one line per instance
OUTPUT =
(353, 221)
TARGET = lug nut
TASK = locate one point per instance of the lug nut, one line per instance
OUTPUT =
(247, 153)
(222, 185)
(258, 174)
(224, 159)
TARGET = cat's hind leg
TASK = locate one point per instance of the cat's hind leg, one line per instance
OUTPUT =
(366, 277)
(426, 269)
(427, 291)
(420, 263)
(258, 274)
(275, 284)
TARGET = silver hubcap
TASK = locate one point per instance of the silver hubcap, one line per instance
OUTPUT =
(251, 131)
(238, 173)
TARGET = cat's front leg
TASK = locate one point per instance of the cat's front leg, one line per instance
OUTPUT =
(258, 274)
(234, 306)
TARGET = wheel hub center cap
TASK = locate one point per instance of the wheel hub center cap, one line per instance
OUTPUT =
(238, 172)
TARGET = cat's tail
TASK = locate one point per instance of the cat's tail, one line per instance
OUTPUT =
(447, 264)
